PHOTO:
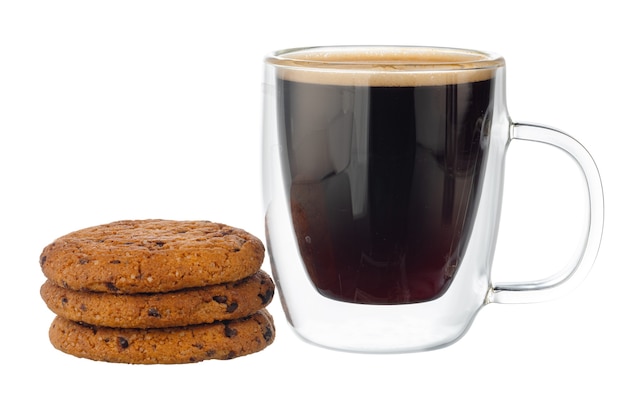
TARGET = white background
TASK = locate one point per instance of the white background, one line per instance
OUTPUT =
(129, 109)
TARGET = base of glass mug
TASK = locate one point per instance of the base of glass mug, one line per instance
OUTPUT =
(382, 329)
(375, 346)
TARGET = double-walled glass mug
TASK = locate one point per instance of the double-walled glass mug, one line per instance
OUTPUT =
(383, 178)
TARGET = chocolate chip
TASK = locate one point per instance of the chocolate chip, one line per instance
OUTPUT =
(115, 262)
(210, 353)
(267, 296)
(112, 287)
(83, 261)
(153, 312)
(42, 260)
(83, 307)
(220, 299)
(198, 345)
(229, 332)
(232, 307)
(231, 355)
(225, 232)
(122, 342)
(160, 243)
(64, 300)
(267, 334)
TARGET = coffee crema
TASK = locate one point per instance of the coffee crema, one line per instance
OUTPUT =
(386, 66)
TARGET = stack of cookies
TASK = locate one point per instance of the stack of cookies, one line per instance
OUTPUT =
(158, 291)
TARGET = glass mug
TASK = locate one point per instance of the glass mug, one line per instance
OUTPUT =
(383, 176)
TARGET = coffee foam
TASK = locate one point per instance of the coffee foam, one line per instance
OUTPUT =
(385, 66)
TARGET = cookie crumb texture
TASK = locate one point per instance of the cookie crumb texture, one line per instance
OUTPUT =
(148, 256)
(219, 340)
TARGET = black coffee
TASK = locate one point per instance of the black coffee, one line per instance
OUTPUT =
(383, 184)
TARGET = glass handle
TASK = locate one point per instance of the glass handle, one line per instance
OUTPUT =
(577, 268)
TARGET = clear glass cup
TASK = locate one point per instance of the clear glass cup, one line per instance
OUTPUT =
(383, 177)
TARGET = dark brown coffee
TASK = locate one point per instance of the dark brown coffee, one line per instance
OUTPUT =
(383, 183)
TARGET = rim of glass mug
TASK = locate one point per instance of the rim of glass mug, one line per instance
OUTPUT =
(384, 65)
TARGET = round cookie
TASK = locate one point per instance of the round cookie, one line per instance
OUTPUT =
(136, 256)
(219, 340)
(151, 310)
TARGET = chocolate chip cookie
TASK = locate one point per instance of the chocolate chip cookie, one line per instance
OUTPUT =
(218, 340)
(149, 310)
(148, 256)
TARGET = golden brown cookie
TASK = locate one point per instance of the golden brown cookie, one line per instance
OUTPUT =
(149, 310)
(219, 340)
(136, 256)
